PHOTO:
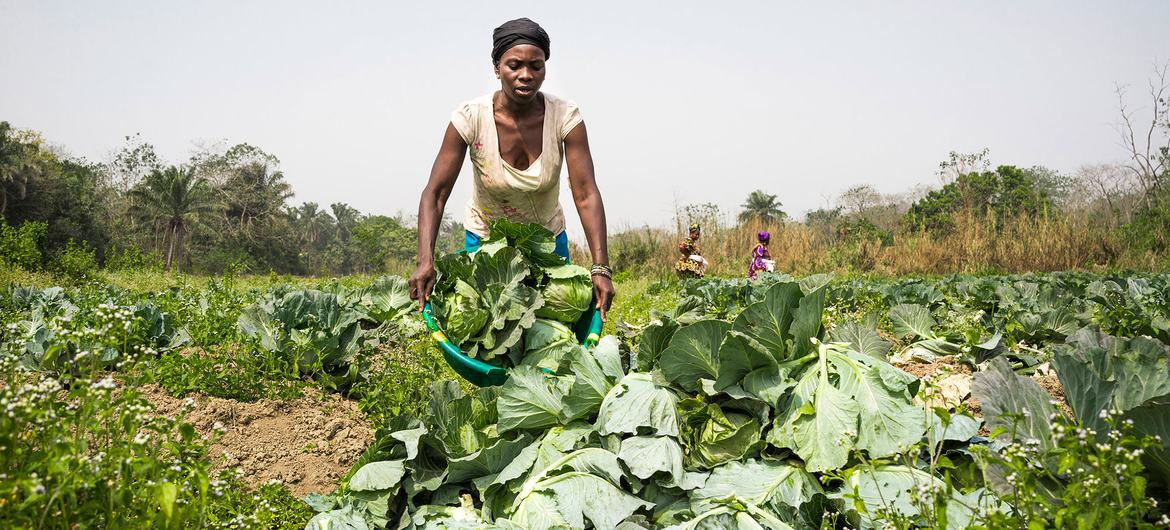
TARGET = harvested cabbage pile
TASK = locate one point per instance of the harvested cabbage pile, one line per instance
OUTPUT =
(487, 301)
(756, 422)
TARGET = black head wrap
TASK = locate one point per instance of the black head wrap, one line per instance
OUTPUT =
(519, 31)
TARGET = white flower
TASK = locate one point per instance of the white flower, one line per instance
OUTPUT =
(104, 384)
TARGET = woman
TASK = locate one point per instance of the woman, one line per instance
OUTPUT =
(691, 264)
(518, 138)
(760, 256)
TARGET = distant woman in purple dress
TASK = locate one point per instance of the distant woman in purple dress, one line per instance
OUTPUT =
(761, 259)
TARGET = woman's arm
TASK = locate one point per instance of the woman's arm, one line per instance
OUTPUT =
(444, 172)
(590, 208)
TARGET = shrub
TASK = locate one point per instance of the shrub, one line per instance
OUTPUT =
(21, 246)
(133, 258)
(1006, 192)
(78, 260)
(1149, 231)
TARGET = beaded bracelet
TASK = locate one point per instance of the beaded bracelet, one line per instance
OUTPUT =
(601, 270)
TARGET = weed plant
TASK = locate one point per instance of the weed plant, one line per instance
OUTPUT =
(225, 371)
(400, 378)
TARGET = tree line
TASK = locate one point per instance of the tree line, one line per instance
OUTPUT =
(226, 207)
(1129, 198)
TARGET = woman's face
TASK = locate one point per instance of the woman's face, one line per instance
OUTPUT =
(695, 235)
(521, 73)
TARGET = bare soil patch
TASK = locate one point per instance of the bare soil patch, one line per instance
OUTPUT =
(946, 369)
(307, 443)
(938, 366)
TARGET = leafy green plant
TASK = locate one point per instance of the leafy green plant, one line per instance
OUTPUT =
(21, 246)
(567, 293)
(78, 260)
(1005, 192)
(400, 378)
(1058, 470)
(209, 314)
(1132, 306)
(76, 342)
(133, 258)
(228, 371)
(313, 331)
(679, 436)
(130, 469)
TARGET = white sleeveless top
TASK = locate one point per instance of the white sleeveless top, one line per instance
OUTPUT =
(500, 190)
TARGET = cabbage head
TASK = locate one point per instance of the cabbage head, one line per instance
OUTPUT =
(462, 312)
(567, 294)
(546, 343)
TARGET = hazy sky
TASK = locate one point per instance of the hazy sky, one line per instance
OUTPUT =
(685, 101)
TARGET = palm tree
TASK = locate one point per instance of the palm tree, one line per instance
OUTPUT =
(174, 198)
(347, 217)
(312, 222)
(763, 207)
(16, 166)
(254, 192)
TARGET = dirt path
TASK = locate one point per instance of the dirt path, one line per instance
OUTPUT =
(307, 443)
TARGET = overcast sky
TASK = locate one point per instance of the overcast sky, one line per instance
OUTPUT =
(685, 101)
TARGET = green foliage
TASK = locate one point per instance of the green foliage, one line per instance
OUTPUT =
(210, 314)
(133, 259)
(311, 330)
(762, 207)
(175, 201)
(72, 340)
(130, 469)
(270, 506)
(567, 293)
(228, 372)
(822, 221)
(862, 230)
(77, 261)
(1053, 471)
(562, 446)
(381, 240)
(745, 404)
(400, 378)
(1132, 306)
(1149, 229)
(21, 246)
(547, 343)
(506, 278)
(1004, 193)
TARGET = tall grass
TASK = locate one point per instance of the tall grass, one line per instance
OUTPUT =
(976, 244)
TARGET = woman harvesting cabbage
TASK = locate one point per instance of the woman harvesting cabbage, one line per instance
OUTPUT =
(518, 137)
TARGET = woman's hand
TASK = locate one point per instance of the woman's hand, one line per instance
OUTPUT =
(423, 281)
(603, 292)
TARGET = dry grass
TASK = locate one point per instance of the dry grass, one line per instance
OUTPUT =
(1074, 241)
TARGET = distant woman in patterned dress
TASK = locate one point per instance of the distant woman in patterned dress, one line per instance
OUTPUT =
(760, 255)
(691, 264)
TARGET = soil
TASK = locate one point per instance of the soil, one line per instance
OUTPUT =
(307, 443)
(946, 367)
(939, 366)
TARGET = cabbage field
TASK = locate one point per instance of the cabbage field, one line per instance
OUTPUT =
(1025, 401)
